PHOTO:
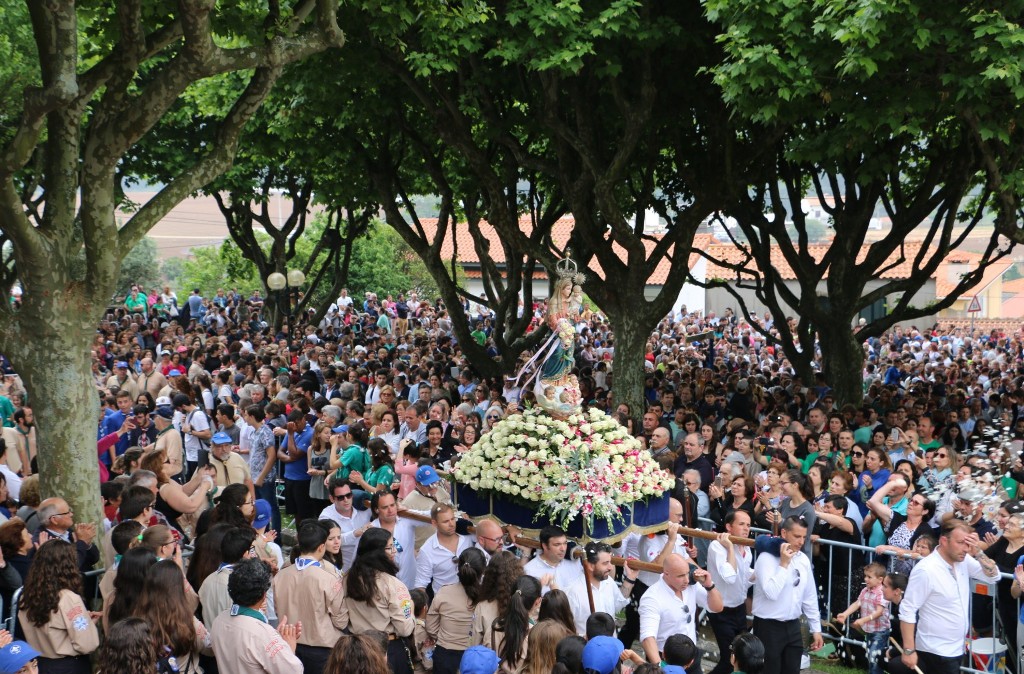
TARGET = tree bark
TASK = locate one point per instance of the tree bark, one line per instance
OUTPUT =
(842, 357)
(54, 365)
(628, 362)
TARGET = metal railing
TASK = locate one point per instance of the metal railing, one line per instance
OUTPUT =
(830, 604)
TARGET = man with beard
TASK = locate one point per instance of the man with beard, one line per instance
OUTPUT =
(231, 468)
(25, 436)
(609, 596)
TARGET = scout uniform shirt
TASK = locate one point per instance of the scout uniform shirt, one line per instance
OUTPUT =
(244, 644)
(70, 631)
(311, 593)
(389, 611)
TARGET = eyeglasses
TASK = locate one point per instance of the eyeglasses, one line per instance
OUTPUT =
(917, 503)
(343, 496)
(492, 417)
(62, 514)
(857, 454)
(796, 583)
(686, 612)
(249, 502)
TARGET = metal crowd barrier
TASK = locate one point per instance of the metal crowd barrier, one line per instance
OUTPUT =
(834, 604)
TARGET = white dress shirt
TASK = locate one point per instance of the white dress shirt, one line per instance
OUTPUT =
(435, 563)
(732, 583)
(348, 525)
(786, 593)
(663, 613)
(566, 572)
(405, 550)
(648, 550)
(607, 599)
(937, 600)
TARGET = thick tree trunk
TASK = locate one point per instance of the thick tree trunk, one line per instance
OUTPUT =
(56, 369)
(842, 360)
(628, 362)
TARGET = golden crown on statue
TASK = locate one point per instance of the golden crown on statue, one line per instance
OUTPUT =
(566, 269)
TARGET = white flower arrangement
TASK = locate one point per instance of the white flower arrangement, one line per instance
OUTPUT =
(587, 465)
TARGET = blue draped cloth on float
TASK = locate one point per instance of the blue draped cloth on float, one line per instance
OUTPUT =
(643, 517)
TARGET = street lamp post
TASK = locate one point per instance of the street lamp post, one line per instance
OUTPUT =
(286, 287)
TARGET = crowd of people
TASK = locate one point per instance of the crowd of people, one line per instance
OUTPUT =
(209, 418)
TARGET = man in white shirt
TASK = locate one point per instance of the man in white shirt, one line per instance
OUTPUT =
(609, 597)
(730, 569)
(655, 549)
(551, 567)
(785, 590)
(670, 606)
(437, 563)
(937, 600)
(348, 518)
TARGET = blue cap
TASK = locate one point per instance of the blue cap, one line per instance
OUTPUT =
(672, 669)
(426, 476)
(164, 412)
(221, 438)
(479, 660)
(343, 428)
(121, 363)
(601, 654)
(174, 373)
(17, 654)
(263, 512)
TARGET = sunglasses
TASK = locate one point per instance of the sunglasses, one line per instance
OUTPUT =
(341, 496)
(857, 454)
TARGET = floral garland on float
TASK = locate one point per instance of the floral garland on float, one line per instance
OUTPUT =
(554, 463)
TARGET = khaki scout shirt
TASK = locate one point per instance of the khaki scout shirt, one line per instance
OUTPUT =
(69, 632)
(244, 645)
(314, 595)
(390, 611)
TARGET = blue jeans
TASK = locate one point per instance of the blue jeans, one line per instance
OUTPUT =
(878, 642)
(269, 492)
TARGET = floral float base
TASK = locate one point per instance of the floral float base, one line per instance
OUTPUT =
(584, 473)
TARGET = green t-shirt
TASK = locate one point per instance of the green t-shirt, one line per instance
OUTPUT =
(354, 458)
(6, 411)
(384, 475)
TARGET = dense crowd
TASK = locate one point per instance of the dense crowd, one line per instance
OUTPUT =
(209, 418)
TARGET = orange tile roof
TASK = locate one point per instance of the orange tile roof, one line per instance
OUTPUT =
(727, 252)
(458, 239)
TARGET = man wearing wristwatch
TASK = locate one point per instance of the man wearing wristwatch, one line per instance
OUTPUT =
(937, 600)
(670, 606)
(609, 597)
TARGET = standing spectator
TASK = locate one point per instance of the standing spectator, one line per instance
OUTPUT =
(162, 603)
(263, 461)
(297, 436)
(449, 621)
(347, 517)
(243, 641)
(937, 600)
(53, 615)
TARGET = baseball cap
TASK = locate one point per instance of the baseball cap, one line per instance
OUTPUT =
(16, 655)
(479, 659)
(263, 511)
(162, 401)
(174, 373)
(426, 476)
(164, 412)
(343, 428)
(601, 654)
(221, 438)
(121, 363)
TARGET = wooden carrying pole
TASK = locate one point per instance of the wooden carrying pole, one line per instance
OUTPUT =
(634, 564)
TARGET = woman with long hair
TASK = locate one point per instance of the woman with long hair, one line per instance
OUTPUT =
(357, 654)
(162, 602)
(797, 503)
(496, 590)
(173, 499)
(555, 606)
(819, 475)
(53, 615)
(900, 532)
(510, 630)
(382, 468)
(450, 618)
(234, 506)
(206, 557)
(128, 648)
(377, 600)
(541, 645)
(131, 575)
(332, 548)
(877, 469)
(318, 460)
